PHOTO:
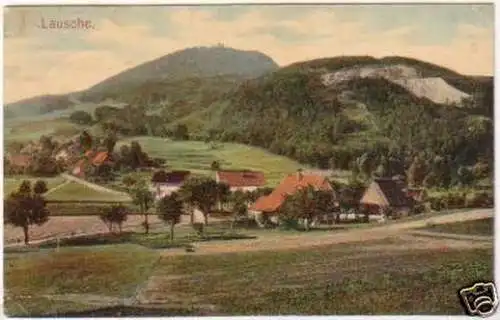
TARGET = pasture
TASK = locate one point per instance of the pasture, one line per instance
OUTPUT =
(73, 191)
(484, 227)
(341, 279)
(197, 157)
(25, 131)
(11, 183)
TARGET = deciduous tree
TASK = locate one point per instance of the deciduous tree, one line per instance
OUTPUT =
(170, 210)
(144, 199)
(25, 208)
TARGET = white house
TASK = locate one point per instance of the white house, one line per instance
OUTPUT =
(164, 183)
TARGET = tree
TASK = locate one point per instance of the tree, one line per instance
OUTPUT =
(181, 132)
(110, 142)
(170, 210)
(47, 144)
(137, 157)
(40, 187)
(114, 215)
(215, 165)
(81, 117)
(465, 176)
(144, 199)
(200, 192)
(129, 180)
(24, 208)
(382, 168)
(416, 172)
(86, 140)
(307, 204)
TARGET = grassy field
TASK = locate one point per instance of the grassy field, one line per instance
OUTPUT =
(339, 279)
(12, 183)
(24, 131)
(326, 281)
(484, 227)
(76, 191)
(197, 157)
(110, 271)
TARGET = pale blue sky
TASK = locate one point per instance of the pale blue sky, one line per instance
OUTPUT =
(457, 36)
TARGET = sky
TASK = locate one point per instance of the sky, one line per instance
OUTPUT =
(53, 61)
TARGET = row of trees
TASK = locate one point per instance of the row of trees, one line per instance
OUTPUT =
(201, 193)
(129, 121)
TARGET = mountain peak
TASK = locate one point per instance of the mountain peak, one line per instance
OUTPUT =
(199, 61)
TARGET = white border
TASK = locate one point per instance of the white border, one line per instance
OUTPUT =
(290, 2)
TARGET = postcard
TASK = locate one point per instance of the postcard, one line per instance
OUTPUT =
(248, 160)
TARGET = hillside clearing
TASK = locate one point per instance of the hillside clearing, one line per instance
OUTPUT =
(197, 157)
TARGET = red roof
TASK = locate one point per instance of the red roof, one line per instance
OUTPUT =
(100, 158)
(20, 160)
(242, 178)
(288, 186)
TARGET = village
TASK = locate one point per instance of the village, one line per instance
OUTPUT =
(383, 198)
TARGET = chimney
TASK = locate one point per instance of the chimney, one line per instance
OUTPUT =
(299, 174)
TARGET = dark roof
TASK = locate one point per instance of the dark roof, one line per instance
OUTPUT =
(393, 191)
(170, 177)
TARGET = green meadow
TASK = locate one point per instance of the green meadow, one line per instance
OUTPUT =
(197, 157)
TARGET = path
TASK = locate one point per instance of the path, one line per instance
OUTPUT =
(282, 241)
(455, 236)
(66, 182)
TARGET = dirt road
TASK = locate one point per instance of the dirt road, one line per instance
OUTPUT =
(283, 242)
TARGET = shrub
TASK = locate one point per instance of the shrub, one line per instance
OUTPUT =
(418, 208)
(198, 227)
(479, 200)
(288, 223)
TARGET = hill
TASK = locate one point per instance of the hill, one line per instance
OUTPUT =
(192, 62)
(37, 105)
(370, 112)
(154, 81)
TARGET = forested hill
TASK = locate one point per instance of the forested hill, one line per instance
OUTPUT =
(364, 113)
(156, 81)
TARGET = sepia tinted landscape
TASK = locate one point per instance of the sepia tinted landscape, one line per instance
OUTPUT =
(247, 159)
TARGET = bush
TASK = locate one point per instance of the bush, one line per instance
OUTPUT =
(479, 200)
(418, 208)
(198, 227)
(287, 223)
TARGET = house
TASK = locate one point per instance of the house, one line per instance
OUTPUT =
(270, 204)
(387, 194)
(101, 158)
(18, 163)
(92, 158)
(245, 180)
(164, 183)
